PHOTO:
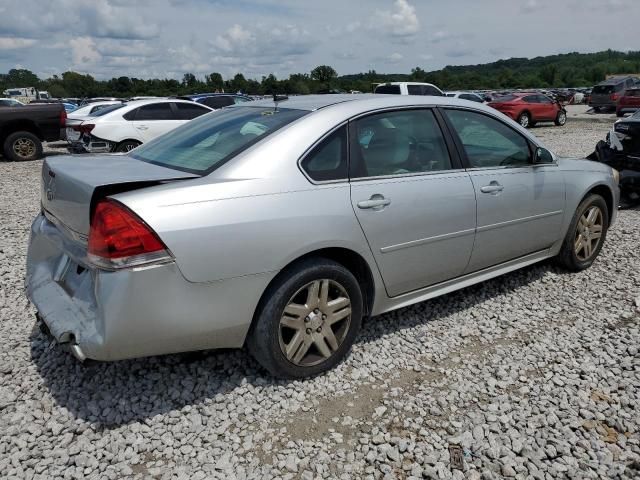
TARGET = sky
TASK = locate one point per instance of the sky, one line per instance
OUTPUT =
(166, 38)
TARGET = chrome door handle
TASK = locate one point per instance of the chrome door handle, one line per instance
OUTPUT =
(142, 127)
(493, 187)
(375, 202)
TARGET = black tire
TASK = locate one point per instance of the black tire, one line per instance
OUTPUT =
(561, 118)
(22, 146)
(127, 145)
(263, 341)
(567, 257)
(524, 119)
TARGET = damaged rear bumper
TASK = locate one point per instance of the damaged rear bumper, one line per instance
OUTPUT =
(113, 315)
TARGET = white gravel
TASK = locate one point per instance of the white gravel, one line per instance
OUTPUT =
(535, 374)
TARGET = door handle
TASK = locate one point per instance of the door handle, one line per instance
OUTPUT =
(376, 202)
(493, 188)
(142, 127)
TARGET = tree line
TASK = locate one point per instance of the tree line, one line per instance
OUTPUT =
(565, 70)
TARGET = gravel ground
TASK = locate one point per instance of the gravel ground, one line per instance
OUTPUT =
(535, 374)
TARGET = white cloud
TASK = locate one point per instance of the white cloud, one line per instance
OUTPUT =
(12, 43)
(530, 6)
(395, 58)
(83, 51)
(402, 21)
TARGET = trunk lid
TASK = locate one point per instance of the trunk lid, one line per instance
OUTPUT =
(71, 186)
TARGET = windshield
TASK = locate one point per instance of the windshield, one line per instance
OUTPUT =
(204, 144)
(636, 115)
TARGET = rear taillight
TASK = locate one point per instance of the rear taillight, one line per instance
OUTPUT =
(614, 97)
(84, 128)
(63, 118)
(118, 238)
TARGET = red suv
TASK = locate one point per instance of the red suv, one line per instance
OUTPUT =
(529, 108)
(629, 102)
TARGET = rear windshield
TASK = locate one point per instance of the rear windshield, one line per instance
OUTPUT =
(391, 89)
(107, 109)
(603, 89)
(204, 144)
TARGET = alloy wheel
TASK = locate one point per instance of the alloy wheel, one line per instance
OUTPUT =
(562, 118)
(24, 147)
(315, 322)
(524, 120)
(588, 233)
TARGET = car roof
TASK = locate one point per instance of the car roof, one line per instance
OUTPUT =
(616, 80)
(364, 101)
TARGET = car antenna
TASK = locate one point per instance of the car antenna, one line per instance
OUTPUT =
(279, 98)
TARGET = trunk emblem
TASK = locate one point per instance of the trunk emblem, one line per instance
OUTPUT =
(50, 195)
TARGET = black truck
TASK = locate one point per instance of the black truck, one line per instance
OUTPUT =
(621, 150)
(24, 128)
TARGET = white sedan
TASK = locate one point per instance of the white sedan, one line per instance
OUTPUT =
(122, 127)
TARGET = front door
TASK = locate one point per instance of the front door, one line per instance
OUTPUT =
(520, 205)
(414, 203)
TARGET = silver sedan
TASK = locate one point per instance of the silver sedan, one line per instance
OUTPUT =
(281, 224)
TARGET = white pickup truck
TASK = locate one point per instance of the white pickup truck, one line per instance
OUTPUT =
(408, 88)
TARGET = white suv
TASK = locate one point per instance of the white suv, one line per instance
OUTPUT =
(408, 88)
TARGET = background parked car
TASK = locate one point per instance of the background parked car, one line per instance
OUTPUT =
(529, 108)
(121, 128)
(217, 100)
(605, 95)
(408, 88)
(10, 102)
(629, 101)
(24, 128)
(474, 97)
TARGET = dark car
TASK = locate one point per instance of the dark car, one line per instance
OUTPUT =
(217, 100)
(24, 128)
(621, 150)
(606, 95)
(629, 102)
(530, 108)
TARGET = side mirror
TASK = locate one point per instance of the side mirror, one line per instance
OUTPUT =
(542, 156)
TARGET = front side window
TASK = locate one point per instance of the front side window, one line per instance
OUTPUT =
(328, 160)
(205, 143)
(489, 142)
(429, 90)
(531, 99)
(397, 143)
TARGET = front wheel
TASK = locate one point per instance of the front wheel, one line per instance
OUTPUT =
(586, 234)
(524, 120)
(561, 118)
(22, 146)
(308, 320)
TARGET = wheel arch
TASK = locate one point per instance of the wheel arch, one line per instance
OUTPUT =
(605, 192)
(20, 126)
(350, 259)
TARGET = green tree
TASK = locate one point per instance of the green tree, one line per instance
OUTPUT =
(214, 81)
(324, 74)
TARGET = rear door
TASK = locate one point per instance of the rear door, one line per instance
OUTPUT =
(519, 205)
(548, 108)
(155, 119)
(414, 202)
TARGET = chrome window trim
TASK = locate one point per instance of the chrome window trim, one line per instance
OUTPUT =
(409, 175)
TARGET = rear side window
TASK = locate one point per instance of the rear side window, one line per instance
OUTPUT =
(531, 99)
(189, 111)
(489, 142)
(414, 89)
(471, 97)
(388, 89)
(109, 109)
(218, 101)
(328, 160)
(429, 90)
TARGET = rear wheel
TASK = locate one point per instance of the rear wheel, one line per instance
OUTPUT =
(127, 145)
(586, 234)
(308, 321)
(524, 120)
(561, 118)
(22, 146)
